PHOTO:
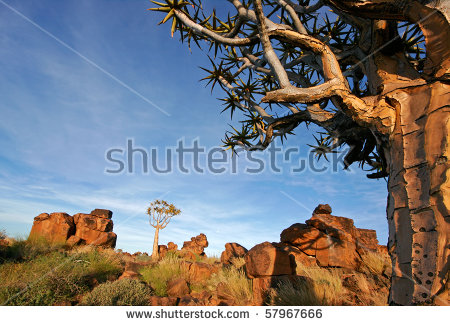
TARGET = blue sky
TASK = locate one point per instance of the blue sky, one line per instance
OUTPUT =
(81, 77)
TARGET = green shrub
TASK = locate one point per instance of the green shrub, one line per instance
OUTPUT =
(52, 278)
(125, 292)
(168, 268)
(27, 249)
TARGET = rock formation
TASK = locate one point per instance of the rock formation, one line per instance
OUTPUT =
(90, 229)
(324, 240)
(232, 250)
(197, 245)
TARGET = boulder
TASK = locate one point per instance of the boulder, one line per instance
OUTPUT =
(199, 272)
(54, 227)
(177, 287)
(333, 241)
(97, 238)
(172, 246)
(74, 241)
(332, 252)
(307, 239)
(163, 301)
(267, 259)
(335, 226)
(188, 300)
(162, 250)
(322, 209)
(91, 229)
(105, 213)
(366, 240)
(204, 297)
(232, 250)
(196, 245)
(224, 295)
(301, 259)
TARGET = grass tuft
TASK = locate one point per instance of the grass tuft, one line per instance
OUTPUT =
(168, 268)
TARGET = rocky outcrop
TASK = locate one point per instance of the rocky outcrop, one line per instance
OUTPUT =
(172, 246)
(232, 250)
(54, 227)
(333, 241)
(197, 245)
(267, 259)
(324, 240)
(90, 229)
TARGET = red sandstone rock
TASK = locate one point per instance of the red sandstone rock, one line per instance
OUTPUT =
(366, 240)
(266, 259)
(335, 226)
(177, 288)
(322, 209)
(163, 301)
(162, 250)
(105, 213)
(300, 258)
(79, 229)
(56, 227)
(199, 272)
(333, 241)
(74, 241)
(188, 300)
(196, 245)
(232, 250)
(172, 246)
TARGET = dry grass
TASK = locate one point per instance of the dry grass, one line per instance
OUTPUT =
(55, 277)
(375, 263)
(210, 260)
(238, 262)
(320, 287)
(168, 268)
(236, 282)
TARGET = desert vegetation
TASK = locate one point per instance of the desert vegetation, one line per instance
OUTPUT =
(37, 272)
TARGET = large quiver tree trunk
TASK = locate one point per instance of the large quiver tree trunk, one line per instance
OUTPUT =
(419, 195)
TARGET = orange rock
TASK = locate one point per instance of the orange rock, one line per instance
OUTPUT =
(162, 250)
(199, 272)
(232, 250)
(56, 227)
(366, 240)
(74, 240)
(79, 229)
(300, 258)
(196, 245)
(177, 287)
(104, 213)
(172, 246)
(266, 259)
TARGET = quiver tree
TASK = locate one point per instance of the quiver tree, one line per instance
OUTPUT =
(160, 213)
(374, 75)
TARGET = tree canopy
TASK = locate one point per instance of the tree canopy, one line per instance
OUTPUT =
(283, 63)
